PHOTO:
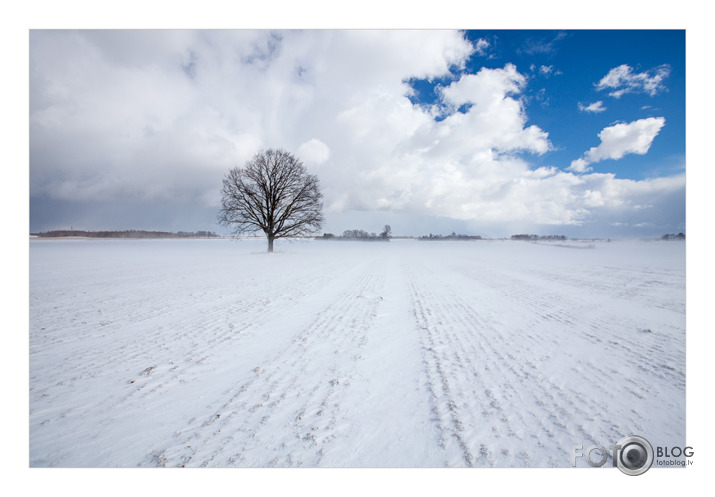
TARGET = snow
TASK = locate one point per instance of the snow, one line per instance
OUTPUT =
(404, 354)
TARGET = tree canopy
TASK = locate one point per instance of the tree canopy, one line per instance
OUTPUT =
(273, 193)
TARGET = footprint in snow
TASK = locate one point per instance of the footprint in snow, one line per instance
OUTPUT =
(370, 298)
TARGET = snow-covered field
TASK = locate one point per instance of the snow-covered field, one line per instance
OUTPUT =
(340, 354)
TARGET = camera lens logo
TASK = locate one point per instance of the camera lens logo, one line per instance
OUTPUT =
(635, 456)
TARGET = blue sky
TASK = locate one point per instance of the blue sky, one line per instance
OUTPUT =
(432, 131)
(564, 68)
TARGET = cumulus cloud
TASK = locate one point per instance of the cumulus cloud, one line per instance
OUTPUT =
(496, 118)
(619, 140)
(623, 79)
(108, 118)
(580, 165)
(160, 116)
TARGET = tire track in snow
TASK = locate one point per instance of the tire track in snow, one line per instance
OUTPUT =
(161, 340)
(462, 401)
(612, 332)
(534, 398)
(641, 285)
(613, 329)
(99, 351)
(298, 391)
(491, 400)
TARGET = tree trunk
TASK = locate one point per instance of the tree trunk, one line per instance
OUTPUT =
(270, 243)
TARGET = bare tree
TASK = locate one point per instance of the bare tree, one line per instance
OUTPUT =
(272, 193)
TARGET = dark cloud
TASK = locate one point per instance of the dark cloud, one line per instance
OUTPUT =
(48, 214)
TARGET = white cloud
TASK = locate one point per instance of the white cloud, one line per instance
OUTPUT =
(541, 45)
(623, 79)
(580, 166)
(108, 114)
(595, 107)
(481, 46)
(110, 122)
(619, 140)
(313, 151)
(546, 70)
(496, 119)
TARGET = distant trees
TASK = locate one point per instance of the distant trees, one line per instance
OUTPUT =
(360, 235)
(453, 236)
(538, 237)
(126, 234)
(272, 193)
(356, 234)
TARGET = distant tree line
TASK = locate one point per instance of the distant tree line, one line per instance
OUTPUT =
(452, 236)
(679, 236)
(538, 237)
(360, 235)
(126, 234)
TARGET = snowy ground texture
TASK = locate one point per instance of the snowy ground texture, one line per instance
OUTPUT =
(338, 354)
